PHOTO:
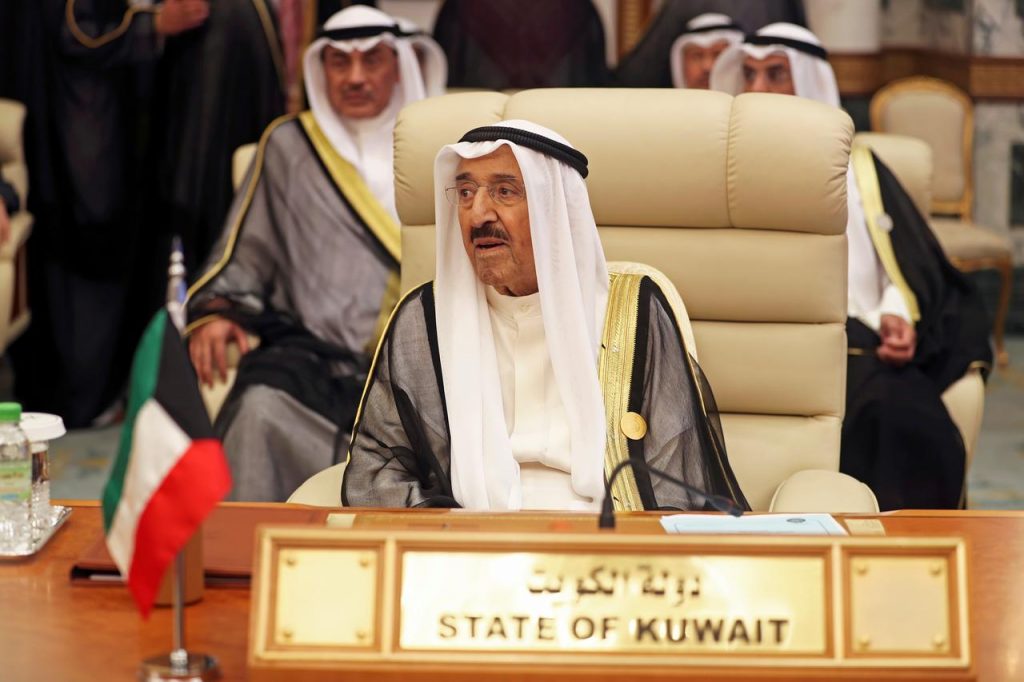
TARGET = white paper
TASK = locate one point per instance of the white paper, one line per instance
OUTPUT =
(755, 524)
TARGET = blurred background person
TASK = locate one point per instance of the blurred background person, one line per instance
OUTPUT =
(497, 44)
(219, 88)
(647, 66)
(85, 71)
(694, 53)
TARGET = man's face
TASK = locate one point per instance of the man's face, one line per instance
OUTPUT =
(771, 74)
(360, 84)
(496, 230)
(698, 60)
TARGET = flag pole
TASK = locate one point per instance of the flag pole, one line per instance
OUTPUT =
(179, 655)
(179, 664)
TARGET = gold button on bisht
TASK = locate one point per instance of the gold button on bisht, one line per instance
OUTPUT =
(634, 427)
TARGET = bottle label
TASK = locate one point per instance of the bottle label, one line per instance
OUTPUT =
(15, 481)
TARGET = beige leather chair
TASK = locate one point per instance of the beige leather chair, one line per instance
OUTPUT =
(943, 116)
(14, 312)
(742, 204)
(214, 396)
(322, 489)
(240, 162)
(910, 159)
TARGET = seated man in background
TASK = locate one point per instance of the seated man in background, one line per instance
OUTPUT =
(309, 257)
(694, 53)
(915, 323)
(647, 64)
(491, 391)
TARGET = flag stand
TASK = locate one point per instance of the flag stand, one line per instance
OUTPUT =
(180, 664)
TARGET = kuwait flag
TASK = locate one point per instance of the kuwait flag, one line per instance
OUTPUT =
(170, 471)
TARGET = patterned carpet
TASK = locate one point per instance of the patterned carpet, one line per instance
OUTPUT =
(80, 461)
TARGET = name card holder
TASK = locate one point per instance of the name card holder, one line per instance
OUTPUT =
(398, 604)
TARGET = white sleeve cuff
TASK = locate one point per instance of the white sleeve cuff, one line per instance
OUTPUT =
(893, 303)
(872, 319)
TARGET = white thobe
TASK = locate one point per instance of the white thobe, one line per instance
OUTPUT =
(538, 426)
(374, 143)
(870, 293)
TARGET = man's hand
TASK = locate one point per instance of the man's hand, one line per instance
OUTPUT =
(899, 340)
(5, 224)
(208, 348)
(177, 16)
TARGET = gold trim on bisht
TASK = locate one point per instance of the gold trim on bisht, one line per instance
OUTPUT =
(662, 282)
(243, 210)
(874, 210)
(615, 370)
(205, 319)
(352, 186)
(99, 41)
(273, 42)
(392, 294)
(373, 365)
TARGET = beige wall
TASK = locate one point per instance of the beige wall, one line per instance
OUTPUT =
(846, 26)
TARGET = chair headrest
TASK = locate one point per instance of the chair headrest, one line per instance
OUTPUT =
(659, 158)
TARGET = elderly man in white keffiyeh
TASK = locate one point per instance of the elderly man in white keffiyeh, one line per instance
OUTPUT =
(525, 373)
(309, 257)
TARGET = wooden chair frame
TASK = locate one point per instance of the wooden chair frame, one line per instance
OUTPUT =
(883, 98)
(962, 207)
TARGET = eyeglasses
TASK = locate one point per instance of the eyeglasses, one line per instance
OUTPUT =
(505, 193)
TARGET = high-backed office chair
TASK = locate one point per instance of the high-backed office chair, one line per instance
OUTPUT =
(14, 311)
(322, 489)
(910, 159)
(240, 162)
(943, 116)
(742, 204)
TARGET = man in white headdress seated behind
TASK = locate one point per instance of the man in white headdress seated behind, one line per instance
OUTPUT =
(524, 373)
(915, 324)
(694, 52)
(309, 257)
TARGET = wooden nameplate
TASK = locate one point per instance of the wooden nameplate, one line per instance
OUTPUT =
(402, 604)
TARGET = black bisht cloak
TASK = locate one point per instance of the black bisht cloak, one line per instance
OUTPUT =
(85, 143)
(898, 436)
(400, 454)
(498, 44)
(219, 87)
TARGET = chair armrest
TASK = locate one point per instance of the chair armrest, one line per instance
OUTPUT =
(819, 490)
(16, 173)
(214, 396)
(12, 121)
(21, 228)
(965, 402)
(322, 489)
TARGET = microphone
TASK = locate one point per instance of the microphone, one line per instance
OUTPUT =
(607, 519)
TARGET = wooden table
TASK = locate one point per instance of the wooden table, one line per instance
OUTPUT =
(53, 630)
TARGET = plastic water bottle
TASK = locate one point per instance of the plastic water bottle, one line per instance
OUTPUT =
(15, 483)
(41, 510)
(41, 428)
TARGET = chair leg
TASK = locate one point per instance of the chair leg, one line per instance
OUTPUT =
(1005, 267)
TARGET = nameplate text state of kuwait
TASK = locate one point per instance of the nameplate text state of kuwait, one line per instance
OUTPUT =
(427, 604)
(614, 602)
